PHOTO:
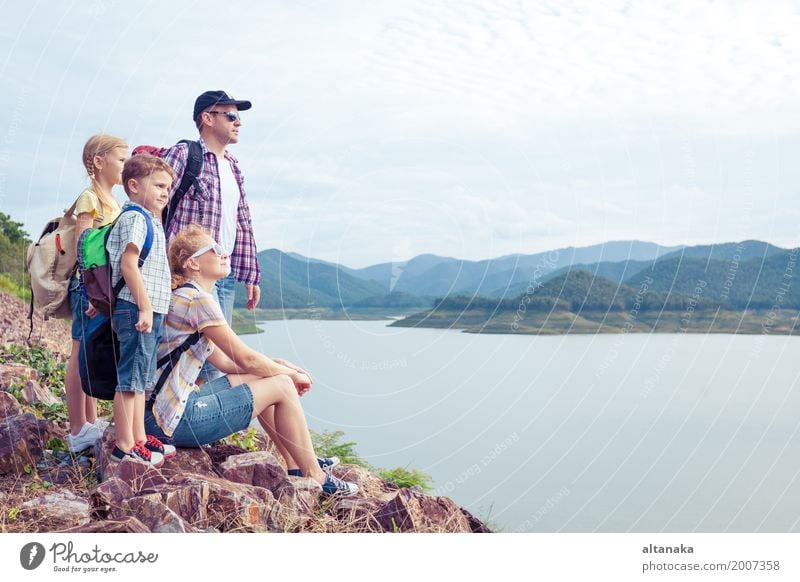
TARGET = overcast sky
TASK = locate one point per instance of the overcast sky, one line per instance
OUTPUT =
(380, 131)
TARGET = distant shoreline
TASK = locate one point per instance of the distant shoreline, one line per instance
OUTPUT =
(759, 322)
(246, 322)
(756, 322)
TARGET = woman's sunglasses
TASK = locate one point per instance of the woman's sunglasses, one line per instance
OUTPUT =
(218, 250)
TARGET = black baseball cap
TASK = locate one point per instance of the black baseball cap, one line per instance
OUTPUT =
(210, 98)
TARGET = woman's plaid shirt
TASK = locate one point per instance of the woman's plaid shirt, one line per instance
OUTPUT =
(203, 205)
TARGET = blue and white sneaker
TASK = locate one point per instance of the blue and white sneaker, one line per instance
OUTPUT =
(335, 486)
(325, 463)
(328, 463)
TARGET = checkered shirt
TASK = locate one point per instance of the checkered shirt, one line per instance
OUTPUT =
(132, 228)
(203, 206)
(191, 310)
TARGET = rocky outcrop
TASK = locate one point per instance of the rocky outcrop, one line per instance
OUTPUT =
(244, 491)
(14, 326)
(8, 406)
(411, 511)
(222, 488)
(125, 525)
(35, 392)
(23, 439)
(60, 509)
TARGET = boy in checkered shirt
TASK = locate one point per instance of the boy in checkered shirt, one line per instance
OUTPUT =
(141, 304)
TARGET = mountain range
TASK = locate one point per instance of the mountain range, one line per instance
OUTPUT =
(733, 275)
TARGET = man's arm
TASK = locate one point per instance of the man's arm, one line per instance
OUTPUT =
(250, 270)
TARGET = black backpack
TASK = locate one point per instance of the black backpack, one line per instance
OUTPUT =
(99, 355)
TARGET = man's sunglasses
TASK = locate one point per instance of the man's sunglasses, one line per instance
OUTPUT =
(218, 250)
(231, 115)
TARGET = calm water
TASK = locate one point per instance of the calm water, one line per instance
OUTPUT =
(568, 433)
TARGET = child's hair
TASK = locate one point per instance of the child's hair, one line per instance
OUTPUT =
(99, 145)
(141, 166)
(184, 245)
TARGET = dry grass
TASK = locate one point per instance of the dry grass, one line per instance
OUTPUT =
(17, 489)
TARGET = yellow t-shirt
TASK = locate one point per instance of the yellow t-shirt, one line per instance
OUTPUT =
(102, 214)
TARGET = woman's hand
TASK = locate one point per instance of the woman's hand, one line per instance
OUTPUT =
(301, 382)
(91, 311)
(294, 367)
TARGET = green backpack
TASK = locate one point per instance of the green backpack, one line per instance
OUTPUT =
(95, 266)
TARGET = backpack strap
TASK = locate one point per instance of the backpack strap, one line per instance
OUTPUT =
(169, 361)
(148, 243)
(194, 165)
(71, 210)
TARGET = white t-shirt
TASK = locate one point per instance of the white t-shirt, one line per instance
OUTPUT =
(230, 194)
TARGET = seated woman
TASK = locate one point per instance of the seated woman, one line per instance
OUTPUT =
(254, 386)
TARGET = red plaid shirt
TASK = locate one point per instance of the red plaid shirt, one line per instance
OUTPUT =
(203, 206)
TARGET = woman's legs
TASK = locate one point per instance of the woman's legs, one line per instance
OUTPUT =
(267, 421)
(291, 430)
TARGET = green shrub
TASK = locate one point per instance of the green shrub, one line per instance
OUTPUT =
(12, 287)
(246, 439)
(51, 367)
(403, 477)
(327, 444)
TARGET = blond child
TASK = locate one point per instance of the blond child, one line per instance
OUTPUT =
(103, 158)
(141, 304)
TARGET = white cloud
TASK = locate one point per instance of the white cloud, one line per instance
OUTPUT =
(460, 128)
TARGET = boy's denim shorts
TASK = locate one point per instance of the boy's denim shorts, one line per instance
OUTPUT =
(213, 412)
(136, 368)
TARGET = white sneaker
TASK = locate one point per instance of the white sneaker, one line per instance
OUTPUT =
(89, 435)
(102, 424)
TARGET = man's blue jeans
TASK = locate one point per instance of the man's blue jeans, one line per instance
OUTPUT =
(225, 293)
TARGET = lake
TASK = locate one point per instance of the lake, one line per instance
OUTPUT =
(573, 433)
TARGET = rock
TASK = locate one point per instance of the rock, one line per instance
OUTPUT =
(138, 474)
(108, 497)
(220, 453)
(16, 374)
(411, 511)
(22, 442)
(60, 509)
(188, 500)
(58, 475)
(14, 326)
(102, 454)
(35, 392)
(302, 494)
(262, 469)
(259, 468)
(357, 514)
(369, 485)
(124, 525)
(151, 511)
(196, 461)
(475, 524)
(9, 405)
(238, 507)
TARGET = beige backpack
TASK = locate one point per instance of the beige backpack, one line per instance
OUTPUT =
(51, 264)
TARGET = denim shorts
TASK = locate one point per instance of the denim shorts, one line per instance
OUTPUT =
(213, 412)
(81, 323)
(136, 367)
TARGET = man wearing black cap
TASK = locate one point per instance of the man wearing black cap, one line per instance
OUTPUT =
(217, 200)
